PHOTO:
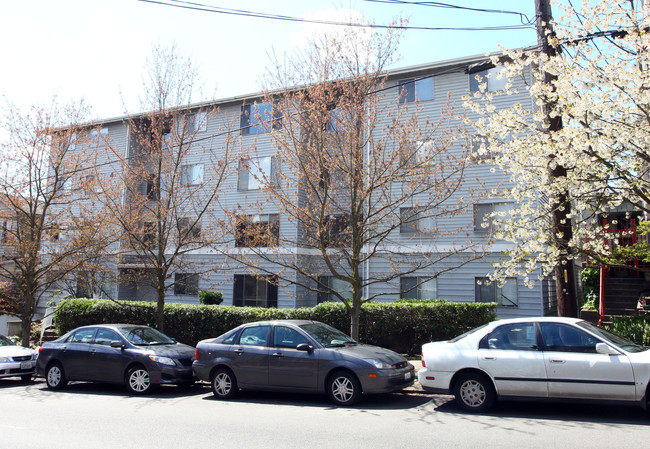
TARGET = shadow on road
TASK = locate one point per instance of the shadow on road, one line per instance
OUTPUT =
(104, 389)
(552, 411)
(394, 401)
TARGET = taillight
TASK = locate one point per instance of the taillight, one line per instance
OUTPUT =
(40, 349)
(196, 354)
(423, 363)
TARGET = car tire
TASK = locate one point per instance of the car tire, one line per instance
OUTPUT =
(138, 380)
(55, 377)
(343, 388)
(224, 384)
(474, 392)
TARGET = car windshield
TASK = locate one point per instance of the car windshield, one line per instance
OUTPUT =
(621, 342)
(145, 336)
(327, 335)
(4, 341)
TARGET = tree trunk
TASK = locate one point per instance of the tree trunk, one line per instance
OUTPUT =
(355, 314)
(160, 312)
(26, 330)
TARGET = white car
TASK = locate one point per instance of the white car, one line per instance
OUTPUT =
(16, 361)
(536, 358)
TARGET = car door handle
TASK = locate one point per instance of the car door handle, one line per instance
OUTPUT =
(489, 357)
(239, 351)
(558, 361)
(278, 354)
(93, 351)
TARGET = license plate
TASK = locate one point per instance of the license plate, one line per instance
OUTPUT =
(407, 376)
(25, 365)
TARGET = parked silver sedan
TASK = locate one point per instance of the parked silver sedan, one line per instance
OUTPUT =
(16, 361)
(561, 359)
(298, 356)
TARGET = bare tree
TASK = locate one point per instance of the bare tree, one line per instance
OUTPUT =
(169, 181)
(352, 168)
(47, 235)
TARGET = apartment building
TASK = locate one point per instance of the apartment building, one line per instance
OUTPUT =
(232, 150)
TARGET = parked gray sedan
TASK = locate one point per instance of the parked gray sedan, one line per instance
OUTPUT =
(138, 356)
(298, 356)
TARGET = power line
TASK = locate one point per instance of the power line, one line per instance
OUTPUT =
(522, 16)
(259, 15)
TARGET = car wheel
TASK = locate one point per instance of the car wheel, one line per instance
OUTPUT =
(474, 392)
(138, 380)
(26, 378)
(55, 377)
(343, 388)
(224, 384)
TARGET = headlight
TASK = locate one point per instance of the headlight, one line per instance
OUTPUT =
(4, 360)
(162, 360)
(378, 364)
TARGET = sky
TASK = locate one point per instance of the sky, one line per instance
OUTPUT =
(96, 50)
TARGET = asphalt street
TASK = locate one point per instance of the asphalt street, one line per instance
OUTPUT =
(105, 416)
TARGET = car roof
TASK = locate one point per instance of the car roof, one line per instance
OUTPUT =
(540, 319)
(276, 322)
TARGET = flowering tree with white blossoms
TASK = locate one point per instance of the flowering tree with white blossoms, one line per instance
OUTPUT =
(601, 90)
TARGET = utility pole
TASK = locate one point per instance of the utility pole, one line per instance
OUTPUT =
(560, 205)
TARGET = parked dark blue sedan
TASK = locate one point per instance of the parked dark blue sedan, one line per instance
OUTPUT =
(137, 356)
(298, 356)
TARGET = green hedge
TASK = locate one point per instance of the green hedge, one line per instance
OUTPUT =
(635, 328)
(402, 326)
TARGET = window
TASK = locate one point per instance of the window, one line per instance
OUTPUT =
(192, 175)
(106, 336)
(483, 220)
(254, 173)
(480, 147)
(504, 296)
(255, 231)
(196, 122)
(519, 336)
(415, 90)
(254, 336)
(488, 76)
(563, 338)
(82, 336)
(337, 120)
(255, 291)
(285, 337)
(418, 287)
(409, 220)
(186, 284)
(148, 233)
(84, 285)
(259, 118)
(4, 232)
(332, 283)
(149, 189)
(98, 137)
(190, 225)
(338, 230)
(91, 184)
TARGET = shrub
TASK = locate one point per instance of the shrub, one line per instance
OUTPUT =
(635, 328)
(209, 297)
(402, 326)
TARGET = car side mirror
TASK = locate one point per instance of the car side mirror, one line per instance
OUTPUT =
(117, 344)
(304, 347)
(604, 348)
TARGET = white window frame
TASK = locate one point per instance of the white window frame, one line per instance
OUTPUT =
(196, 122)
(424, 284)
(192, 174)
(422, 90)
